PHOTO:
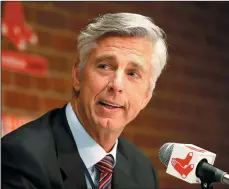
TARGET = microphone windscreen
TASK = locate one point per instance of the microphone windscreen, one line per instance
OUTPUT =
(165, 153)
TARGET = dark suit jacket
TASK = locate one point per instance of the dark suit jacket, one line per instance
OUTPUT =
(43, 155)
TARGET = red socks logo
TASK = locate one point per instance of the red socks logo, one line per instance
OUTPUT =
(14, 26)
(182, 166)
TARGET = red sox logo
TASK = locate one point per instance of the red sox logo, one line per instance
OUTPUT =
(14, 26)
(16, 30)
(182, 166)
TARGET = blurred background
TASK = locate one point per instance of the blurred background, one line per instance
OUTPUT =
(191, 99)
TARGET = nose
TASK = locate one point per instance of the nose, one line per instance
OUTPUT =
(116, 83)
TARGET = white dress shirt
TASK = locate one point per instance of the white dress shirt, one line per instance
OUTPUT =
(90, 151)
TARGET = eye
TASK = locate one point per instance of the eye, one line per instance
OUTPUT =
(133, 74)
(103, 66)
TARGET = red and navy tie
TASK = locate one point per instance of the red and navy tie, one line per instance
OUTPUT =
(105, 167)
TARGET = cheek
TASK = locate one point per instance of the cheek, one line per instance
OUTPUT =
(137, 92)
(94, 85)
(135, 100)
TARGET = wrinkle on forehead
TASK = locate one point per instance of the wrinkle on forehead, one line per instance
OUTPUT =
(136, 45)
(137, 51)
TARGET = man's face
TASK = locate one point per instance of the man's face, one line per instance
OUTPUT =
(114, 85)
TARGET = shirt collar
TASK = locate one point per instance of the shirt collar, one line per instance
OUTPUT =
(90, 151)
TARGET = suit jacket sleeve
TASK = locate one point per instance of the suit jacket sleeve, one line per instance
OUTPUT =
(20, 169)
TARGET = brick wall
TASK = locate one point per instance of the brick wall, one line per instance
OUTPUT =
(191, 100)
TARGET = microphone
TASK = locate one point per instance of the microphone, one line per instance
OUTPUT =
(191, 164)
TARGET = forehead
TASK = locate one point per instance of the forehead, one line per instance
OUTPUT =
(134, 50)
(139, 46)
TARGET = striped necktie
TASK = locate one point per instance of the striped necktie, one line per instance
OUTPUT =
(105, 167)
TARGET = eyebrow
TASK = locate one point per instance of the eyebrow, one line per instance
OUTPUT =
(105, 57)
(137, 64)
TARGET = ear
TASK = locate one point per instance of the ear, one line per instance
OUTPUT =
(76, 77)
(147, 98)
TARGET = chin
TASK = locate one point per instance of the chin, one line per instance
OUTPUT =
(109, 124)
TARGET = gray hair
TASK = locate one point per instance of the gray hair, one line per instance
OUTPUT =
(123, 24)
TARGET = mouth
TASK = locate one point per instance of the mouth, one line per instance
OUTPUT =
(110, 105)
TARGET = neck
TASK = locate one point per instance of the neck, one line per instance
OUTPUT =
(105, 138)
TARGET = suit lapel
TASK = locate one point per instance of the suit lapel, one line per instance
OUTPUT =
(122, 173)
(71, 164)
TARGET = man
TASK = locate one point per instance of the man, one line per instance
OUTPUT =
(79, 146)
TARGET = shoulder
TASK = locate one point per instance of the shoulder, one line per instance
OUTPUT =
(29, 153)
(31, 136)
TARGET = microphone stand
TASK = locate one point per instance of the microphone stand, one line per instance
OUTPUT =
(209, 175)
(206, 178)
(206, 184)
